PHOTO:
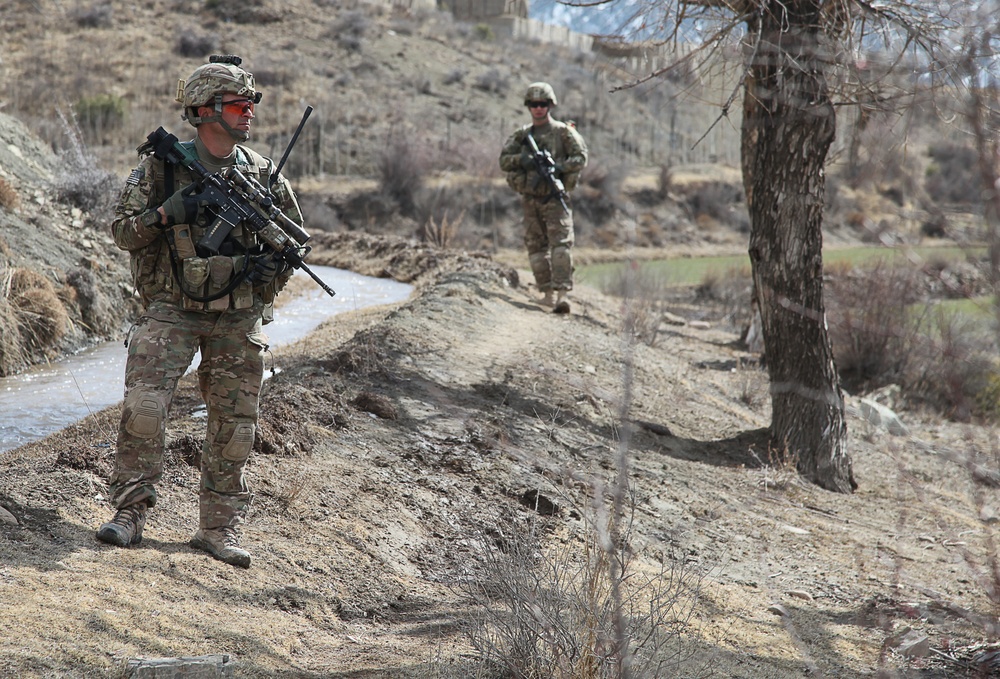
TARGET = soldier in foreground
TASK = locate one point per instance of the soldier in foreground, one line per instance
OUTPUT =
(543, 161)
(213, 302)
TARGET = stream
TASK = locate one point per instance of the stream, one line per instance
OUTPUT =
(47, 398)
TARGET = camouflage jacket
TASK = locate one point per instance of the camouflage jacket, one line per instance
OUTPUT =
(159, 257)
(566, 145)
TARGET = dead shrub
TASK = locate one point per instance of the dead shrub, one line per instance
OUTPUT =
(246, 12)
(455, 75)
(42, 320)
(561, 611)
(441, 233)
(402, 168)
(270, 75)
(870, 325)
(719, 202)
(478, 213)
(730, 292)
(196, 44)
(491, 81)
(473, 156)
(349, 30)
(952, 177)
(599, 196)
(885, 331)
(97, 15)
(9, 197)
(81, 181)
(100, 114)
(13, 357)
(643, 293)
(952, 367)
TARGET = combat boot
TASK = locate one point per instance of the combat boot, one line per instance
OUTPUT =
(223, 544)
(125, 530)
(546, 298)
(562, 304)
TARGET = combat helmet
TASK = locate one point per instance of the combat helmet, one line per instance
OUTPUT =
(540, 92)
(209, 82)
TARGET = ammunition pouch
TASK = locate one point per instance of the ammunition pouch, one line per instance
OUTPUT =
(207, 277)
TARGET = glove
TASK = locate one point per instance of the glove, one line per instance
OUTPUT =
(527, 162)
(183, 206)
(265, 269)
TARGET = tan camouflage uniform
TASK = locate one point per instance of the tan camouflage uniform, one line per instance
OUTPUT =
(173, 327)
(548, 228)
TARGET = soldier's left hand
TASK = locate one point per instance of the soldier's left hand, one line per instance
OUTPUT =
(265, 269)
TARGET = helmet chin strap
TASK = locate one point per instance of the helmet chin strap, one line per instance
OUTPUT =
(237, 135)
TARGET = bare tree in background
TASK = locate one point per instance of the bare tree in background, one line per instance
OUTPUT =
(979, 67)
(792, 50)
(788, 126)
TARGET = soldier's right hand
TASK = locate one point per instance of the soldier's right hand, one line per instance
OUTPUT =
(527, 160)
(183, 206)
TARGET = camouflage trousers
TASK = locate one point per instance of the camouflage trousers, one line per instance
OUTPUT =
(162, 345)
(548, 236)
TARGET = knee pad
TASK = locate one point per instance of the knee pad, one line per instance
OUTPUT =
(560, 253)
(240, 443)
(537, 259)
(144, 412)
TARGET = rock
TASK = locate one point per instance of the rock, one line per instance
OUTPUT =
(881, 416)
(7, 517)
(910, 643)
(199, 667)
(915, 645)
(673, 319)
(800, 594)
(777, 609)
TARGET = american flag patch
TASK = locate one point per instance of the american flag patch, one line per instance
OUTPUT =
(133, 179)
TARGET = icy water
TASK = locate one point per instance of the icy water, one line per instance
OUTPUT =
(47, 398)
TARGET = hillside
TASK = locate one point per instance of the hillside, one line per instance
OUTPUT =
(439, 480)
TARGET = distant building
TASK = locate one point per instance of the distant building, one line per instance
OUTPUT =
(509, 19)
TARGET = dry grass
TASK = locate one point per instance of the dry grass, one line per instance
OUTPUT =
(32, 317)
(41, 317)
(555, 610)
(442, 233)
(9, 197)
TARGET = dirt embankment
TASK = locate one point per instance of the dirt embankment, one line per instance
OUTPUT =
(63, 282)
(405, 449)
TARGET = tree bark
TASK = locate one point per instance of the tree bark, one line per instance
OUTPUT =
(788, 126)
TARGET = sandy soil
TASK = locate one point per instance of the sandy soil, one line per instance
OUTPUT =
(395, 440)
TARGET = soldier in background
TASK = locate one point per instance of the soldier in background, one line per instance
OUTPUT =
(548, 224)
(215, 305)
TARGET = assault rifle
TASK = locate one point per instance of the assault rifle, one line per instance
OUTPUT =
(546, 166)
(238, 199)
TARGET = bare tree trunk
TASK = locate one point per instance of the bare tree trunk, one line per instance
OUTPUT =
(979, 114)
(788, 126)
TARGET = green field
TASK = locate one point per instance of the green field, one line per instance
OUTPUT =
(693, 270)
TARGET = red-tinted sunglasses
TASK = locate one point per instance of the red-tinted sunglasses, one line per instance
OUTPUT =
(538, 104)
(238, 107)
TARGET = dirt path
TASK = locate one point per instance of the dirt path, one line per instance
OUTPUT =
(397, 443)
